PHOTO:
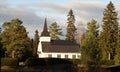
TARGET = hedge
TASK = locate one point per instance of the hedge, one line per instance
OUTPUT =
(46, 61)
(35, 62)
(9, 62)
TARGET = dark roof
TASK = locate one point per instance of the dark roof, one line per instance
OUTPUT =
(63, 42)
(60, 46)
(45, 30)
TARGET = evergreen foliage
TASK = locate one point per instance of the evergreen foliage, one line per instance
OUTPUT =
(55, 31)
(109, 33)
(89, 44)
(15, 39)
(117, 56)
(35, 43)
(70, 27)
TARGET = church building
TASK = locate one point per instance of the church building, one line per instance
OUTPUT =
(48, 48)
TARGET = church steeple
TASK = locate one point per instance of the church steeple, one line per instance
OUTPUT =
(45, 29)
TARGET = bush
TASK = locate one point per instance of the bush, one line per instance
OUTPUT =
(35, 62)
(76, 61)
(9, 62)
(46, 61)
(107, 62)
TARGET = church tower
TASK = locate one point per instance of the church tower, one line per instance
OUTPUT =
(45, 36)
(45, 29)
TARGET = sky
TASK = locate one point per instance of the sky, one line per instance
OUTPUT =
(33, 12)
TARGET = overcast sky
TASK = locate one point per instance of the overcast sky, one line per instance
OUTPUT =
(33, 12)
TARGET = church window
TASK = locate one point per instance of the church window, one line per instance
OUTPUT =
(58, 56)
(50, 55)
(74, 56)
(66, 56)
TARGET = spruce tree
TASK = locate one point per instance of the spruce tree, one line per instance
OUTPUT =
(35, 43)
(109, 33)
(70, 27)
(117, 56)
(89, 44)
(55, 31)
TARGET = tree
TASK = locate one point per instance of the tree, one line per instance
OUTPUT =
(117, 56)
(109, 33)
(89, 44)
(35, 43)
(15, 39)
(70, 27)
(2, 51)
(55, 31)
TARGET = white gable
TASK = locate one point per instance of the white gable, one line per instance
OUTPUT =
(45, 39)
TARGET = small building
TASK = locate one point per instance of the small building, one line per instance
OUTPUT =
(48, 48)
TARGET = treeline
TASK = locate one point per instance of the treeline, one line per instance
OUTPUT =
(100, 44)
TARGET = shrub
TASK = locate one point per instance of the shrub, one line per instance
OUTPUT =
(35, 62)
(46, 61)
(107, 62)
(76, 61)
(9, 62)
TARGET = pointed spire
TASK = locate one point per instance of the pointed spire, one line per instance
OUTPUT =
(45, 29)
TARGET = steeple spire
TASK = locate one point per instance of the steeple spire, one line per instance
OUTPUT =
(45, 29)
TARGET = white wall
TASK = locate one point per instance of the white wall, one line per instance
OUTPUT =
(43, 39)
(54, 55)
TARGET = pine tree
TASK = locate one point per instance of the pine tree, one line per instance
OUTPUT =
(55, 31)
(35, 43)
(70, 27)
(15, 39)
(117, 56)
(109, 33)
(89, 44)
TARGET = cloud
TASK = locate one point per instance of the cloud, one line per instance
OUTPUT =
(30, 20)
(50, 5)
(33, 14)
(86, 11)
(83, 11)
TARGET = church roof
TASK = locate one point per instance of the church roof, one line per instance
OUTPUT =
(60, 46)
(45, 30)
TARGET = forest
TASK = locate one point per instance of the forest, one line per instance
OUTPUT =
(99, 44)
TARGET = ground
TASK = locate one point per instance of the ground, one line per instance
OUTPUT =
(52, 68)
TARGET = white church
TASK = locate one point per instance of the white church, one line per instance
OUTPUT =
(48, 48)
